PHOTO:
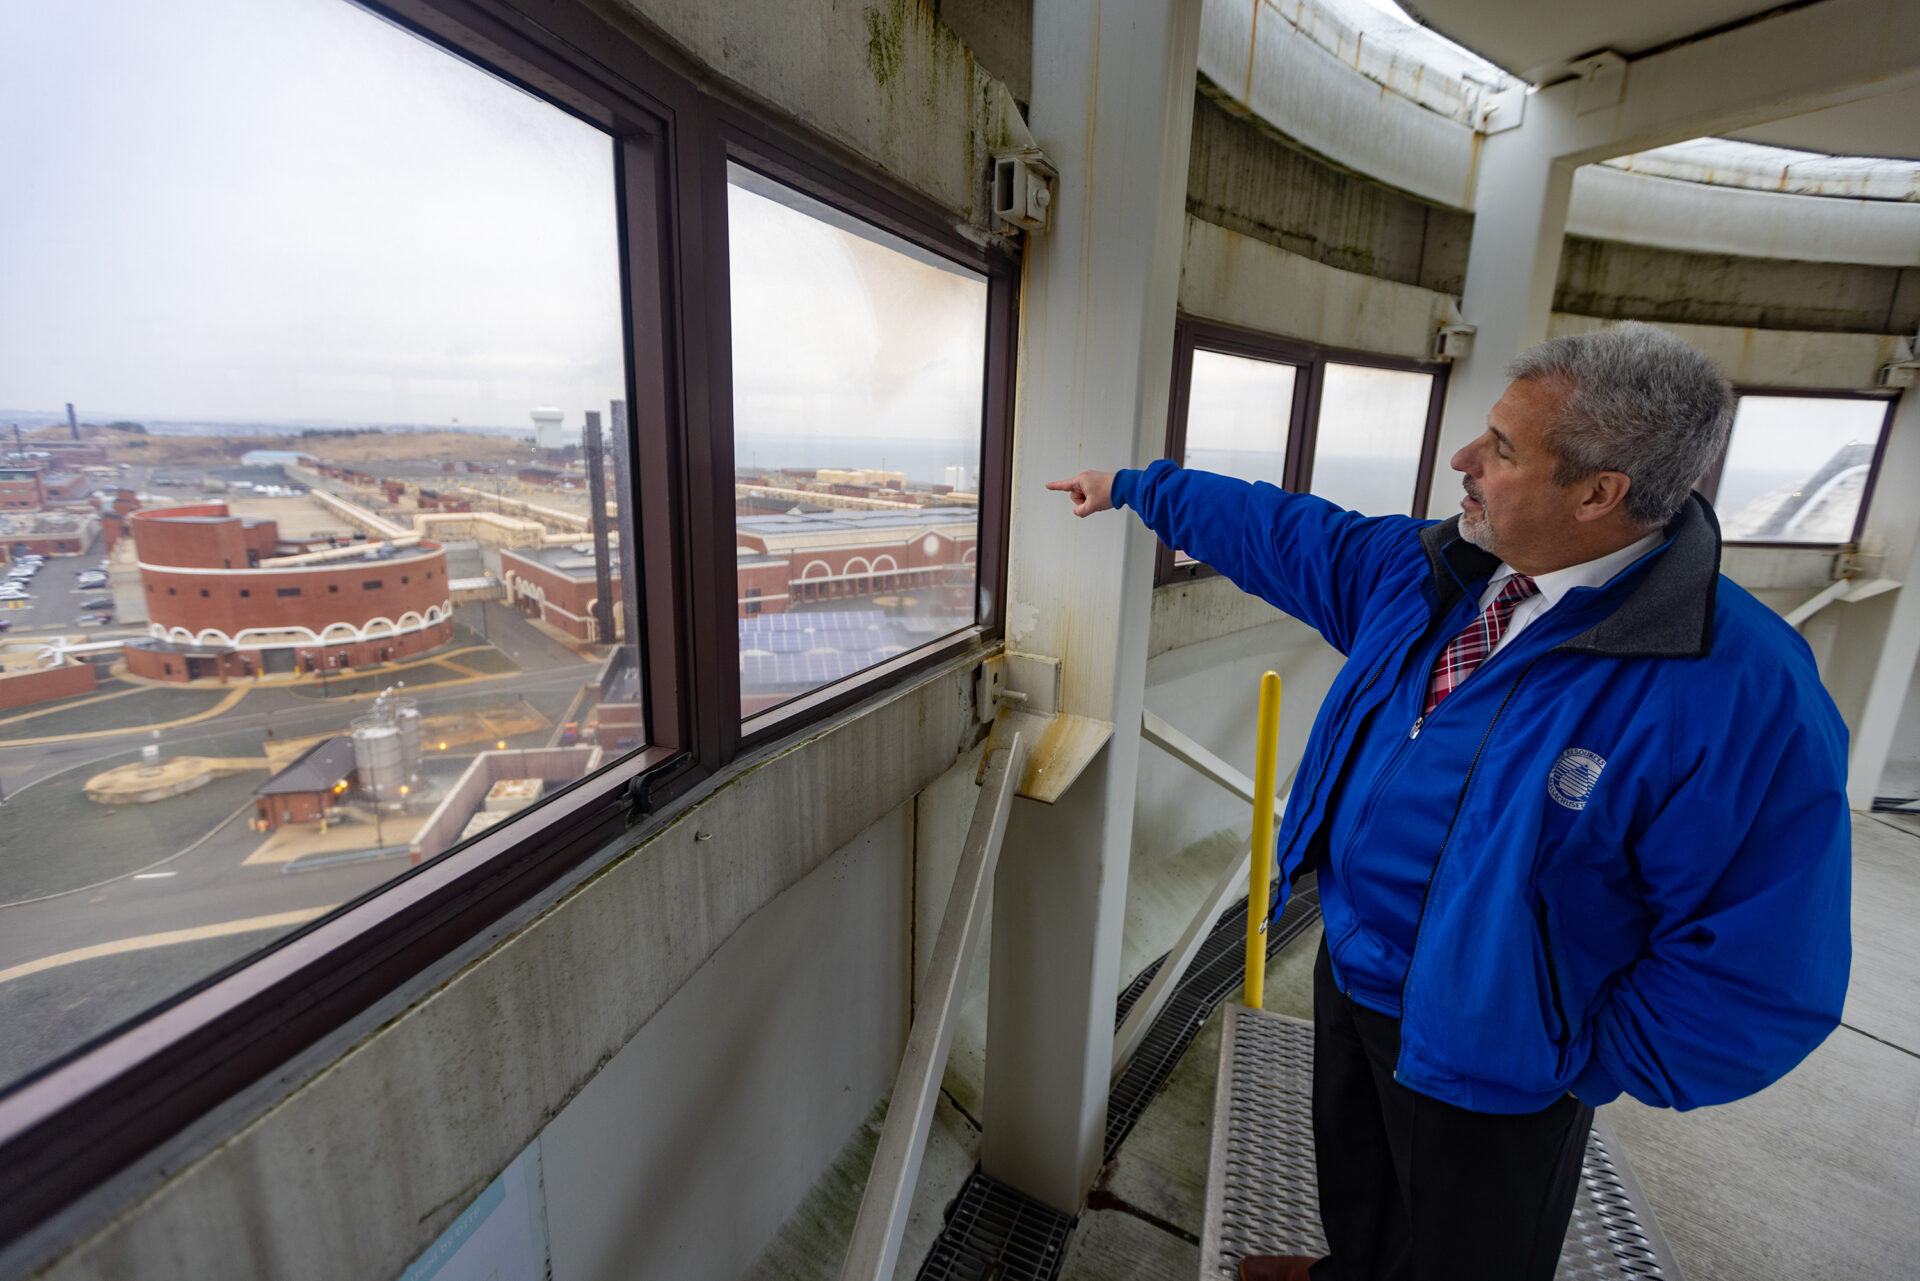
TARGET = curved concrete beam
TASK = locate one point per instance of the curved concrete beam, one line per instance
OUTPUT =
(1611, 204)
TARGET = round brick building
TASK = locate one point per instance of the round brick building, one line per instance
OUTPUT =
(227, 598)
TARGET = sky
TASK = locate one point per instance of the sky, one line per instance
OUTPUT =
(840, 329)
(292, 210)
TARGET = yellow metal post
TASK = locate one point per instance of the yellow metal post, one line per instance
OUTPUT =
(1260, 882)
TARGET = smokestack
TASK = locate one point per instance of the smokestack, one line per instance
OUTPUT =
(73, 423)
(602, 553)
(623, 505)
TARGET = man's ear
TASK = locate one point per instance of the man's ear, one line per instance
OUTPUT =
(1601, 494)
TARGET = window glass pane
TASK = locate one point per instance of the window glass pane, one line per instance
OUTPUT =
(1366, 453)
(858, 374)
(1797, 467)
(305, 278)
(1238, 413)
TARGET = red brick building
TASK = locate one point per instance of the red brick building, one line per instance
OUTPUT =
(791, 560)
(22, 488)
(226, 597)
(557, 586)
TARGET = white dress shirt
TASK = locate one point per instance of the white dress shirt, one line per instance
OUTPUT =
(1554, 585)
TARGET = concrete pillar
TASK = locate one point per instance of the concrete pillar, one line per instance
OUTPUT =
(1113, 109)
(1519, 221)
(1879, 639)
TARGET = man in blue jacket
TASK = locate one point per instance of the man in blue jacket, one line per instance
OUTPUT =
(1576, 803)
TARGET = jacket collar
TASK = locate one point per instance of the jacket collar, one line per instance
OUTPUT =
(1668, 614)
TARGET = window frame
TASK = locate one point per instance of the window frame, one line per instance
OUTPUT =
(1708, 484)
(72, 1124)
(856, 189)
(1303, 427)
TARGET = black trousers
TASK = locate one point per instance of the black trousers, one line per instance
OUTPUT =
(1413, 1189)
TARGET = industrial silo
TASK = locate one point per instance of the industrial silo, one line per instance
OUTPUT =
(377, 758)
(406, 719)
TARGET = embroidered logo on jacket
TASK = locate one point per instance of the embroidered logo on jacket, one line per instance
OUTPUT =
(1571, 780)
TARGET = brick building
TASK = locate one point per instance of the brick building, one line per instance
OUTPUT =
(226, 597)
(557, 586)
(307, 789)
(22, 487)
(791, 560)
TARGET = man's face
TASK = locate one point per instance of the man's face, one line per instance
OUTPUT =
(1512, 507)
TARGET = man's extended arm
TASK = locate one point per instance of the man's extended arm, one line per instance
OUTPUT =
(1298, 552)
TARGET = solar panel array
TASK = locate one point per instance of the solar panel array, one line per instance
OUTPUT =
(796, 651)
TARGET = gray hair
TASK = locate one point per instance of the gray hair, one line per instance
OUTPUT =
(1638, 401)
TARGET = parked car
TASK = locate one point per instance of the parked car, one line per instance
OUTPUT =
(99, 602)
(93, 620)
(90, 582)
(5, 626)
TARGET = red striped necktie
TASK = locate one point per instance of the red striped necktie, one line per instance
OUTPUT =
(1470, 648)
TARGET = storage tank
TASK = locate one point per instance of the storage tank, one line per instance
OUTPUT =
(376, 756)
(546, 428)
(406, 719)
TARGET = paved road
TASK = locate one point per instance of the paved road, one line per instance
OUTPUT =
(73, 965)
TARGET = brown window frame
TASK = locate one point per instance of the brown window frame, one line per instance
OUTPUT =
(1709, 482)
(1311, 360)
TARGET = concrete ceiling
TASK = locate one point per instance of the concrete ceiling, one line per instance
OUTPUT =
(1535, 38)
(1888, 125)
(1534, 35)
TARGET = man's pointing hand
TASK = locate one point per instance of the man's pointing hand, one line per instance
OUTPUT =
(1092, 491)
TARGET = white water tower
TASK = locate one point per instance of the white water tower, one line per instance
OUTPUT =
(546, 428)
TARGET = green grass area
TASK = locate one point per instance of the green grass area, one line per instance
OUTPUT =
(52, 838)
(372, 682)
(131, 711)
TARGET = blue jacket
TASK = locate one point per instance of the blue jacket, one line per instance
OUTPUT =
(1643, 878)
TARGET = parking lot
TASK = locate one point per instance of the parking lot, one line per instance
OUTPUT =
(53, 599)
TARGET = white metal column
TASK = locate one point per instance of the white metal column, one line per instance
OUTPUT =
(1888, 637)
(1513, 262)
(1796, 60)
(1113, 110)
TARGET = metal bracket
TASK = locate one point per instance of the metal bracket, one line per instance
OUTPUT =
(656, 787)
(1027, 694)
(1603, 82)
(1023, 188)
(1503, 109)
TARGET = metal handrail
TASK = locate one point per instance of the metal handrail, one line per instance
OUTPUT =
(882, 1220)
(1133, 1030)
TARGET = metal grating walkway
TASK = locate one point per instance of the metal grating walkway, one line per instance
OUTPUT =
(1261, 1197)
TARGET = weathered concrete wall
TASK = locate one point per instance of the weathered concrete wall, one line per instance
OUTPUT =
(1000, 33)
(1640, 282)
(1643, 248)
(1244, 177)
(1773, 357)
(682, 1157)
(1239, 280)
(888, 80)
(1638, 208)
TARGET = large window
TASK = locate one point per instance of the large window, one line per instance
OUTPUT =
(1799, 468)
(859, 365)
(452, 421)
(1358, 429)
(372, 322)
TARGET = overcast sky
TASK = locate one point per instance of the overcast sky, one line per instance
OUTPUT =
(291, 209)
